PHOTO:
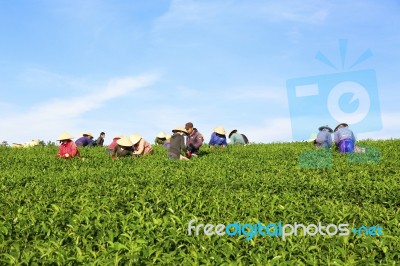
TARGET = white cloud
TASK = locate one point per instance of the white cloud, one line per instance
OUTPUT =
(5, 107)
(40, 79)
(196, 12)
(46, 120)
(226, 17)
(272, 130)
(276, 95)
(188, 11)
(314, 12)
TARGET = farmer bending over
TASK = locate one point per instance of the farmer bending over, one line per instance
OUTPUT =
(67, 148)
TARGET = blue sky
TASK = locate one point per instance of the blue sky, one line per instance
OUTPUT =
(127, 67)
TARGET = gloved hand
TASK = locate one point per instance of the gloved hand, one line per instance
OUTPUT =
(188, 154)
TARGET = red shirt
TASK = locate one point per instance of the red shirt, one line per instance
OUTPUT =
(69, 148)
(113, 143)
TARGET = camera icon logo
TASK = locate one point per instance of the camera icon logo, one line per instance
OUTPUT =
(350, 96)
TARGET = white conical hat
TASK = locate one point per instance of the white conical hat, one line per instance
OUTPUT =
(65, 135)
(220, 130)
(88, 134)
(167, 136)
(180, 128)
(161, 135)
(135, 138)
(124, 141)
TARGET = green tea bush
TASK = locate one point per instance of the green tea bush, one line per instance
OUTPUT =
(136, 211)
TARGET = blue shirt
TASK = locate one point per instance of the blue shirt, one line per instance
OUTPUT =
(217, 140)
(344, 133)
(324, 137)
(84, 141)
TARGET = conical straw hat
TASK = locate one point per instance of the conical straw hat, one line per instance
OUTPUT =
(342, 124)
(161, 135)
(124, 141)
(88, 134)
(135, 138)
(220, 130)
(65, 135)
(327, 127)
(167, 136)
(180, 128)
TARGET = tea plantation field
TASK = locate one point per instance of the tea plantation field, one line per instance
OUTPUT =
(136, 211)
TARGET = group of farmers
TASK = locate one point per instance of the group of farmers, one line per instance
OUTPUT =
(343, 137)
(185, 142)
(135, 145)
